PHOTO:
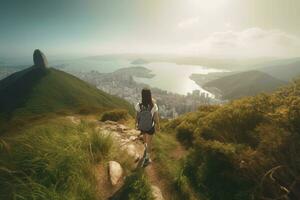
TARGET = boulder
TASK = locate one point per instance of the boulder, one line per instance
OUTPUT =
(124, 141)
(133, 132)
(156, 193)
(39, 59)
(132, 151)
(115, 172)
(133, 138)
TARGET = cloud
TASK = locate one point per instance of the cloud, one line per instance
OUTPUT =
(187, 23)
(252, 42)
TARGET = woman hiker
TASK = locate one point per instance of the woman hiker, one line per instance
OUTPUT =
(147, 120)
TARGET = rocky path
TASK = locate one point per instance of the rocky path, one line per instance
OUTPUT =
(156, 181)
(111, 177)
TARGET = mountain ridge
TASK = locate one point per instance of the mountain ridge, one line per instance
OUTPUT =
(247, 83)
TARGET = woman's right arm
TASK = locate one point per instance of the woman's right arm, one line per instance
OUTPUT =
(156, 120)
(136, 120)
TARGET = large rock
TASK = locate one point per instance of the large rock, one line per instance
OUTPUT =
(156, 193)
(115, 172)
(39, 59)
(132, 151)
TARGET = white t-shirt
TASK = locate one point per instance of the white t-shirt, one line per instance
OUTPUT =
(153, 110)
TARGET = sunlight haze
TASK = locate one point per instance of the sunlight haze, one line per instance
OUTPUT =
(218, 28)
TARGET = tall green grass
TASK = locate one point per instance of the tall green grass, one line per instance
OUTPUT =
(52, 161)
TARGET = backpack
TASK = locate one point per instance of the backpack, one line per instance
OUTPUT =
(145, 119)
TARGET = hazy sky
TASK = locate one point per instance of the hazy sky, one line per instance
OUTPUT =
(229, 28)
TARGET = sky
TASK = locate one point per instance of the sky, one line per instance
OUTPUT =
(214, 28)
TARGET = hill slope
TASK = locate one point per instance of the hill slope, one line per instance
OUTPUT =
(284, 71)
(44, 90)
(244, 84)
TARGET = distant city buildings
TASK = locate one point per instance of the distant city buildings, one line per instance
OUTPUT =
(123, 85)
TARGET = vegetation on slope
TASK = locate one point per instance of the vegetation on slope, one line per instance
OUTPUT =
(247, 149)
(244, 84)
(55, 160)
(47, 162)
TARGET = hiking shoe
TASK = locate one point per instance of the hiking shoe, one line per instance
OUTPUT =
(147, 162)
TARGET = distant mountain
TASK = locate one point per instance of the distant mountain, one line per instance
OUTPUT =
(139, 61)
(243, 84)
(285, 70)
(201, 79)
(40, 90)
(137, 71)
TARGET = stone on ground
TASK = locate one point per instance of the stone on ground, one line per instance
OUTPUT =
(73, 119)
(115, 172)
(121, 128)
(132, 151)
(156, 193)
(110, 122)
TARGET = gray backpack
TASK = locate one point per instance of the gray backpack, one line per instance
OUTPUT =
(145, 119)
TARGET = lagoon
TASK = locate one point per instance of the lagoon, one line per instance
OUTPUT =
(175, 78)
(169, 76)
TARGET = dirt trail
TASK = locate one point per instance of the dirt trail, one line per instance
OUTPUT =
(104, 187)
(124, 135)
(156, 179)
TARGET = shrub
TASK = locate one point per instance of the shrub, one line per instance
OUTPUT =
(185, 133)
(234, 123)
(294, 114)
(182, 185)
(212, 169)
(115, 115)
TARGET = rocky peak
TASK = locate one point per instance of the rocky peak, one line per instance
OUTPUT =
(39, 59)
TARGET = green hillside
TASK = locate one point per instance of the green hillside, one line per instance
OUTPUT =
(243, 84)
(37, 91)
(247, 149)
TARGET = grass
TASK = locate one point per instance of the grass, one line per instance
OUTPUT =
(54, 160)
(101, 145)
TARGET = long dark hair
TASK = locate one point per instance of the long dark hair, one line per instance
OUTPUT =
(147, 98)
